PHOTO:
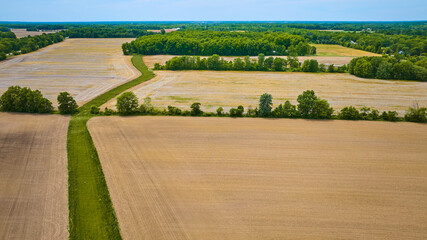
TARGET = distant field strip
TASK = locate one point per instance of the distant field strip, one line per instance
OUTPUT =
(228, 89)
(83, 67)
(224, 178)
(91, 212)
(340, 51)
(33, 176)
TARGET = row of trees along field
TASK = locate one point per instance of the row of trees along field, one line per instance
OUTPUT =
(215, 62)
(411, 68)
(309, 107)
(10, 44)
(192, 42)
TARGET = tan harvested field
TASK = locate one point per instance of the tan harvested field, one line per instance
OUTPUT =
(33, 176)
(19, 32)
(340, 51)
(223, 178)
(167, 30)
(228, 89)
(83, 67)
(150, 60)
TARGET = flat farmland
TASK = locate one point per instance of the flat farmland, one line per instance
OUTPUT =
(228, 89)
(83, 67)
(33, 176)
(223, 178)
(22, 32)
(340, 51)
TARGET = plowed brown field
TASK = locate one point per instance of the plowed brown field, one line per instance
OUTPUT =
(83, 67)
(33, 176)
(223, 178)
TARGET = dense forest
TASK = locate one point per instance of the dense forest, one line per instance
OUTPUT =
(412, 68)
(193, 42)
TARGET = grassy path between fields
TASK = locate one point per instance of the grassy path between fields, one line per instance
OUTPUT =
(91, 213)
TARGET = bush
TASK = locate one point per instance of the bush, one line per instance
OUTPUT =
(127, 103)
(195, 109)
(416, 114)
(265, 105)
(310, 65)
(108, 112)
(146, 107)
(94, 109)
(237, 112)
(309, 106)
(174, 111)
(2, 56)
(17, 99)
(286, 110)
(67, 104)
(220, 111)
(392, 116)
(349, 113)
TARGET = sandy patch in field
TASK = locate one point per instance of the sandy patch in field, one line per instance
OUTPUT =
(33, 176)
(24, 33)
(228, 89)
(223, 178)
(150, 60)
(83, 67)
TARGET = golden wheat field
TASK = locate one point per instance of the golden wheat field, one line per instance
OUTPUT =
(223, 178)
(83, 67)
(229, 89)
(33, 176)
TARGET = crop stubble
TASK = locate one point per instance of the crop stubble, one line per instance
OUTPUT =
(222, 178)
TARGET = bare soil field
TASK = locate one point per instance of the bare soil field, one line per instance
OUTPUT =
(340, 51)
(167, 30)
(83, 67)
(20, 33)
(228, 89)
(33, 176)
(223, 178)
(150, 60)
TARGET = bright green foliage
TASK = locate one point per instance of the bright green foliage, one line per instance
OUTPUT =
(18, 99)
(310, 65)
(286, 110)
(265, 105)
(309, 106)
(195, 109)
(66, 103)
(321, 110)
(384, 70)
(349, 113)
(363, 68)
(127, 103)
(220, 111)
(416, 114)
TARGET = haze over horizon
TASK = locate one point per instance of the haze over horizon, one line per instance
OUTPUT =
(220, 10)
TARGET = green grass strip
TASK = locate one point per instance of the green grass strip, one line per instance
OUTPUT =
(91, 213)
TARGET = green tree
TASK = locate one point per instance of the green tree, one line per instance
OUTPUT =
(349, 113)
(127, 103)
(18, 99)
(310, 65)
(363, 68)
(403, 70)
(195, 109)
(265, 105)
(2, 56)
(321, 110)
(66, 103)
(261, 60)
(220, 111)
(416, 114)
(306, 102)
(94, 109)
(384, 70)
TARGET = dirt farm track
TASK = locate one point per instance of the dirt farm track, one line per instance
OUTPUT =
(223, 178)
(33, 176)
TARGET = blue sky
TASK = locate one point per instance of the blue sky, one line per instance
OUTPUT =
(213, 10)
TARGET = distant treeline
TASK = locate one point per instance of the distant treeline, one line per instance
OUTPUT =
(106, 32)
(192, 42)
(9, 44)
(263, 63)
(412, 68)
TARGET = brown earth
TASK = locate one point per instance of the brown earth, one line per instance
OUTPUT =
(33, 176)
(83, 67)
(229, 89)
(223, 178)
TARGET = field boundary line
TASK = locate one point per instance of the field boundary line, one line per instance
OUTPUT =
(91, 212)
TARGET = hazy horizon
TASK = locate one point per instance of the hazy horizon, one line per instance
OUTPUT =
(220, 10)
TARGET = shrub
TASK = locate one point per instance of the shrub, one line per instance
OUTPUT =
(309, 106)
(108, 112)
(127, 103)
(195, 109)
(252, 112)
(237, 112)
(174, 111)
(416, 114)
(392, 116)
(94, 109)
(146, 107)
(331, 68)
(349, 113)
(2, 56)
(17, 99)
(265, 105)
(66, 103)
(310, 65)
(220, 111)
